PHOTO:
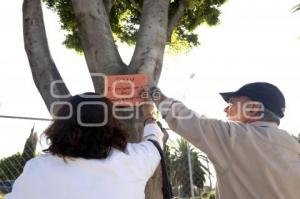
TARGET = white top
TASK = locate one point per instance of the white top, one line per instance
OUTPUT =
(252, 161)
(119, 176)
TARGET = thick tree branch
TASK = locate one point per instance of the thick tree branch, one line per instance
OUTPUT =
(136, 6)
(96, 38)
(148, 58)
(108, 5)
(44, 71)
(176, 17)
(151, 40)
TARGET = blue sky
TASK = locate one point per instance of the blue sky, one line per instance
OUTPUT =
(255, 41)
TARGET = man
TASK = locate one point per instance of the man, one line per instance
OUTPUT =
(253, 158)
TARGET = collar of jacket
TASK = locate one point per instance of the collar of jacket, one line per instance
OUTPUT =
(265, 124)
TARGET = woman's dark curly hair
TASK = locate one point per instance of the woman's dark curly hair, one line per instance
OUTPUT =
(90, 131)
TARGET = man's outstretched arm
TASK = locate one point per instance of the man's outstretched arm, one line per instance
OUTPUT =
(209, 135)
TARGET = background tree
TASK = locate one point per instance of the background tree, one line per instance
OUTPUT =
(30, 146)
(93, 27)
(177, 164)
(11, 167)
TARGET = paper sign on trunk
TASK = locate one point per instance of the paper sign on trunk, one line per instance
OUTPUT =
(124, 90)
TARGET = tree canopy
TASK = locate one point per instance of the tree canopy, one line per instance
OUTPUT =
(125, 18)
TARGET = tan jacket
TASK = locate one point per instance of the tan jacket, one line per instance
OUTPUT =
(252, 161)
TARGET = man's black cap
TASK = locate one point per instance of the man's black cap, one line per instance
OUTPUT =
(266, 93)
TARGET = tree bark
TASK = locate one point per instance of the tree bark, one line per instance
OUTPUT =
(108, 5)
(148, 58)
(176, 17)
(151, 40)
(101, 54)
(96, 38)
(154, 185)
(44, 72)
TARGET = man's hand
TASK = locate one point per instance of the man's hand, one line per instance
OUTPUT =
(154, 94)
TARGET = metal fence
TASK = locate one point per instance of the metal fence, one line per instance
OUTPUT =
(11, 167)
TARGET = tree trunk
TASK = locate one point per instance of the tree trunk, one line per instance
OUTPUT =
(44, 72)
(108, 5)
(154, 186)
(101, 54)
(176, 17)
(151, 40)
(96, 38)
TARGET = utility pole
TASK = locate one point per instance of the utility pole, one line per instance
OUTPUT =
(209, 174)
(190, 170)
(192, 75)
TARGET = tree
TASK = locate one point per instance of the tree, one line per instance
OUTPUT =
(11, 167)
(30, 146)
(208, 195)
(177, 165)
(93, 27)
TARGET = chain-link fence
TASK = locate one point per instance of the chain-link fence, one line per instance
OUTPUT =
(189, 169)
(11, 167)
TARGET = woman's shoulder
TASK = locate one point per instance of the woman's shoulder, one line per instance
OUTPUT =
(41, 160)
(43, 157)
(142, 148)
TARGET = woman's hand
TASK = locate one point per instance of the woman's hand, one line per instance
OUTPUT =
(147, 109)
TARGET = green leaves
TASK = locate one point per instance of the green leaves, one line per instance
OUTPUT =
(68, 23)
(177, 164)
(11, 167)
(125, 21)
(196, 13)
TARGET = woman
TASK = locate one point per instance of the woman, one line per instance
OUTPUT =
(89, 157)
